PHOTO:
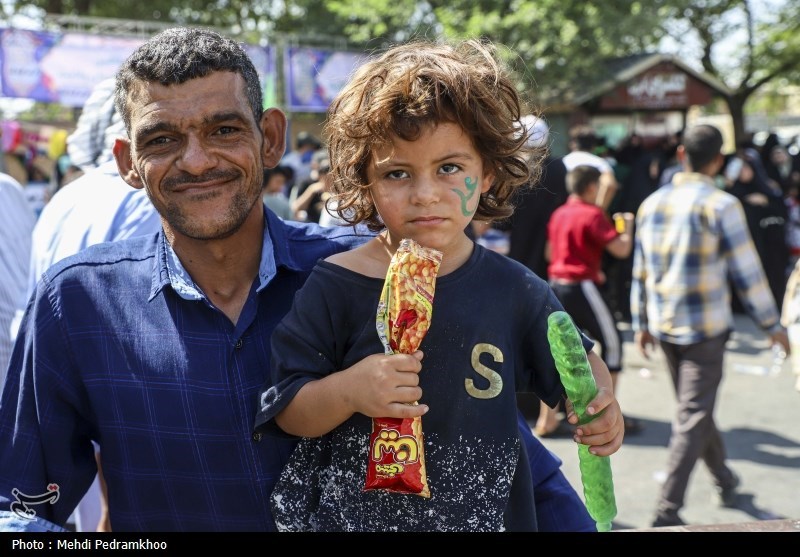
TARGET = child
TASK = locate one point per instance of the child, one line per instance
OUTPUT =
(422, 141)
(578, 233)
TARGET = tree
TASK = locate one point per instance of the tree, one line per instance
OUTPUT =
(252, 21)
(557, 47)
(746, 44)
(560, 46)
(149, 10)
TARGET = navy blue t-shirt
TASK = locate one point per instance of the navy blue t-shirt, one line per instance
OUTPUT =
(487, 341)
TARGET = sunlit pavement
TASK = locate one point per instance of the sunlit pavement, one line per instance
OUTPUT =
(758, 414)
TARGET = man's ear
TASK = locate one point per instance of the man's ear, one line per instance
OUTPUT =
(273, 128)
(122, 154)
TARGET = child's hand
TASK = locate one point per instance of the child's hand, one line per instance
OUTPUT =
(379, 386)
(603, 434)
(387, 386)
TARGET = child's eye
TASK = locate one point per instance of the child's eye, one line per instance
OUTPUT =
(449, 168)
(397, 174)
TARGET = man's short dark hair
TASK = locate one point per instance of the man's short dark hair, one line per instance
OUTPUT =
(177, 55)
(581, 177)
(284, 170)
(304, 138)
(583, 138)
(702, 144)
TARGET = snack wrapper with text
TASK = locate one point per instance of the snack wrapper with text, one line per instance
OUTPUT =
(396, 450)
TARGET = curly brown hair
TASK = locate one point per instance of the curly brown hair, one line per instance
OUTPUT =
(419, 84)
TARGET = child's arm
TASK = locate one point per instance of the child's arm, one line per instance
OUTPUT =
(604, 434)
(378, 386)
(621, 246)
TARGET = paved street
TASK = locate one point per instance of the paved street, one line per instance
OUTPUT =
(758, 415)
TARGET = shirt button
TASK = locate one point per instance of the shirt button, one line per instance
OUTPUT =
(238, 344)
(257, 437)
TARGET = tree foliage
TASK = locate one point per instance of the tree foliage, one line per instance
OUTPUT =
(558, 47)
(746, 44)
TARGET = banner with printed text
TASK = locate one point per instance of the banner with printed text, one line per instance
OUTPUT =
(314, 76)
(64, 67)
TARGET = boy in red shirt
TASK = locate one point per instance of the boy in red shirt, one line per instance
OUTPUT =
(578, 233)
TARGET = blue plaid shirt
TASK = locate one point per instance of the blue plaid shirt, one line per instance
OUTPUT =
(119, 345)
(691, 238)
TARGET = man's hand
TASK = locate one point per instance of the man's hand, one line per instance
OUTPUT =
(644, 341)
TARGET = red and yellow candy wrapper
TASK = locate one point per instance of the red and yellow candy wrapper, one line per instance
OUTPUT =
(396, 450)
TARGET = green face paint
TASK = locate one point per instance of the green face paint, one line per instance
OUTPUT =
(472, 187)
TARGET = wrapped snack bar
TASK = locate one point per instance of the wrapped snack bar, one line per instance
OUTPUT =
(396, 450)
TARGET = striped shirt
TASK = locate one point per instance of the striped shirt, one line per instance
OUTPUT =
(16, 225)
(691, 239)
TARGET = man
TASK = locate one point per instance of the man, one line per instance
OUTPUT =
(582, 142)
(691, 238)
(97, 207)
(275, 180)
(17, 220)
(528, 238)
(527, 230)
(300, 159)
(157, 346)
(91, 144)
(535, 204)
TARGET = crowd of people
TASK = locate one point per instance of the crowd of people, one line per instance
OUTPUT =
(160, 339)
(763, 175)
(146, 295)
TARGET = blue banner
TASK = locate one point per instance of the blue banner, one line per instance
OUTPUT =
(314, 77)
(64, 68)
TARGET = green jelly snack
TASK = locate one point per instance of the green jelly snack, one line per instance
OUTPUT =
(576, 376)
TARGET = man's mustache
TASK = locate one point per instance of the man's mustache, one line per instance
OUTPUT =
(189, 179)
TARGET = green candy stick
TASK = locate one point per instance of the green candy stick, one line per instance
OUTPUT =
(576, 376)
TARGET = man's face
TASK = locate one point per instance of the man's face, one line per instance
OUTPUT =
(199, 153)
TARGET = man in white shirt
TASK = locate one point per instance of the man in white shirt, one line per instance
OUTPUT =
(97, 207)
(94, 208)
(17, 220)
(582, 141)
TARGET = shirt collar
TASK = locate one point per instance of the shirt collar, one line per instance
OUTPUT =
(278, 240)
(274, 253)
(681, 178)
(576, 200)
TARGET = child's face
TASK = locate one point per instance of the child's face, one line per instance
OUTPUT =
(429, 189)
